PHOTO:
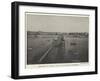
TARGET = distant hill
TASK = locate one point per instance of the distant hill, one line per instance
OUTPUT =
(75, 34)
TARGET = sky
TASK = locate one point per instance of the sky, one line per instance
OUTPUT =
(56, 23)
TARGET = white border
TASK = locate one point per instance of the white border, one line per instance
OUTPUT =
(61, 69)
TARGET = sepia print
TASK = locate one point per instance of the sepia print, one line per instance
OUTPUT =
(52, 40)
(56, 38)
